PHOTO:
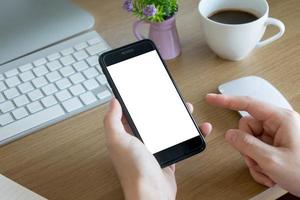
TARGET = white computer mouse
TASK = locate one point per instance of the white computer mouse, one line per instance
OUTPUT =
(255, 87)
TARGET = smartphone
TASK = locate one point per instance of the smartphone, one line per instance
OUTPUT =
(151, 102)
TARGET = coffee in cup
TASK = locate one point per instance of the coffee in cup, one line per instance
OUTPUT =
(233, 16)
(233, 28)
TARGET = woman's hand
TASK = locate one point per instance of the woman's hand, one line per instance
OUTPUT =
(269, 140)
(140, 174)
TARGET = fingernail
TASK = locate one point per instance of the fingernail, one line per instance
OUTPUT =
(211, 94)
(230, 135)
(269, 184)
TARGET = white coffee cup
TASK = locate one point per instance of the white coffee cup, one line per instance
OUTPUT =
(236, 41)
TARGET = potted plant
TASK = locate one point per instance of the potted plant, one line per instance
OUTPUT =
(160, 14)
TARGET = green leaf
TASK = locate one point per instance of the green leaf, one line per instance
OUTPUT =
(165, 9)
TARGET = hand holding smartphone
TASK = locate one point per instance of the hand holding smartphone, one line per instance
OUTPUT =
(151, 102)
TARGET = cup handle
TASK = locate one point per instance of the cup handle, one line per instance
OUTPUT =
(273, 22)
(136, 27)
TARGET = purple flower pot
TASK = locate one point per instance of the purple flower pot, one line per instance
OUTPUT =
(164, 35)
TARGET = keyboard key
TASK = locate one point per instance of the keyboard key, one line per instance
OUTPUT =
(1, 98)
(53, 76)
(26, 67)
(25, 87)
(11, 93)
(72, 104)
(49, 101)
(13, 81)
(26, 76)
(40, 62)
(81, 46)
(77, 78)
(92, 61)
(53, 56)
(2, 86)
(40, 71)
(21, 101)
(39, 82)
(49, 89)
(63, 95)
(31, 121)
(94, 41)
(63, 83)
(11, 73)
(67, 71)
(102, 79)
(91, 73)
(88, 98)
(98, 48)
(103, 95)
(67, 51)
(5, 119)
(68, 60)
(91, 84)
(80, 55)
(19, 113)
(35, 95)
(77, 89)
(99, 68)
(54, 65)
(1, 77)
(6, 106)
(34, 107)
(79, 66)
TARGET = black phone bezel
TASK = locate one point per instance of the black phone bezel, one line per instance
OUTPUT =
(172, 154)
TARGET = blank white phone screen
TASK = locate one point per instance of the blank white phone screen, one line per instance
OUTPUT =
(153, 101)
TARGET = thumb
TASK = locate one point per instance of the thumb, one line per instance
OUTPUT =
(249, 145)
(112, 120)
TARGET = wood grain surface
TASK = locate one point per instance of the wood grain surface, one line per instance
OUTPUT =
(69, 160)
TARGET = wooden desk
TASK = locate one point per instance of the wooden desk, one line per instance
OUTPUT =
(69, 160)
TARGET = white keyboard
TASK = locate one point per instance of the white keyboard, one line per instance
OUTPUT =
(51, 85)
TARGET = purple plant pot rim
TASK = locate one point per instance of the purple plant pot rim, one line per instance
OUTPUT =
(170, 18)
(165, 25)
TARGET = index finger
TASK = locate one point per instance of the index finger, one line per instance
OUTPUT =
(257, 109)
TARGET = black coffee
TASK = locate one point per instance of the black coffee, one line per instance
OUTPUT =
(233, 17)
